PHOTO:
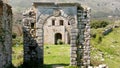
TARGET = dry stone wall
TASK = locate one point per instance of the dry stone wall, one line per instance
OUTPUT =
(5, 34)
(31, 48)
(80, 39)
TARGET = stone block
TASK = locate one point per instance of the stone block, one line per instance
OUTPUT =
(73, 59)
(39, 25)
(73, 49)
(82, 30)
(73, 52)
(40, 41)
(39, 31)
(39, 34)
(74, 63)
(73, 37)
(40, 45)
(74, 34)
(39, 38)
(73, 42)
(74, 30)
(73, 45)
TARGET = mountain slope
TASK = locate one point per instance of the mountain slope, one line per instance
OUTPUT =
(100, 8)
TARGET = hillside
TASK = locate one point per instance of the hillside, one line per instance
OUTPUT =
(108, 51)
(100, 8)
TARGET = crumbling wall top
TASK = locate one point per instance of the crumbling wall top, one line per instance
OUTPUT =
(54, 4)
(60, 4)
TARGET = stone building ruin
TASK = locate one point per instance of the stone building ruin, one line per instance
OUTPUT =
(5, 34)
(47, 22)
(69, 22)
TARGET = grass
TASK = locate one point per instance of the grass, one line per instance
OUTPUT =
(53, 55)
(109, 47)
(17, 55)
(57, 54)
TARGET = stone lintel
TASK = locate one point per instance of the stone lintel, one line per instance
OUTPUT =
(47, 4)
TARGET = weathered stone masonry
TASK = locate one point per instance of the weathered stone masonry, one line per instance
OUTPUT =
(33, 28)
(5, 34)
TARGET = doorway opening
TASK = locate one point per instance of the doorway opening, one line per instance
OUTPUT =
(56, 49)
(58, 38)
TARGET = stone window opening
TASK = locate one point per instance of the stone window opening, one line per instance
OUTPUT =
(53, 22)
(32, 25)
(61, 22)
(68, 23)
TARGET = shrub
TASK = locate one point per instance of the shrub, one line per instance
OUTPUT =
(99, 24)
(14, 42)
(17, 41)
(98, 38)
(93, 33)
(97, 35)
(59, 41)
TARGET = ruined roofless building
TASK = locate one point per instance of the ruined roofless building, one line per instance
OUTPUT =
(48, 22)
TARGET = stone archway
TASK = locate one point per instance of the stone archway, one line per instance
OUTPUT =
(58, 36)
(79, 32)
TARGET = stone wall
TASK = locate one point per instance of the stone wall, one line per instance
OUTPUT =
(5, 35)
(50, 30)
(30, 46)
(75, 14)
(80, 39)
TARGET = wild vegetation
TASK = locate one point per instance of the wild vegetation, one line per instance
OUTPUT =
(98, 24)
(105, 49)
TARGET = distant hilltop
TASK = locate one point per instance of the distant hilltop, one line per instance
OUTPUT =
(100, 8)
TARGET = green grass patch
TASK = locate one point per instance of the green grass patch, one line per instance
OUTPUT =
(17, 55)
(53, 55)
(56, 54)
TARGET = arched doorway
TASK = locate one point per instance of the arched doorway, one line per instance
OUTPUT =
(58, 36)
(79, 31)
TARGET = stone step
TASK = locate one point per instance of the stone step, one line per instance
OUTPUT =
(57, 66)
